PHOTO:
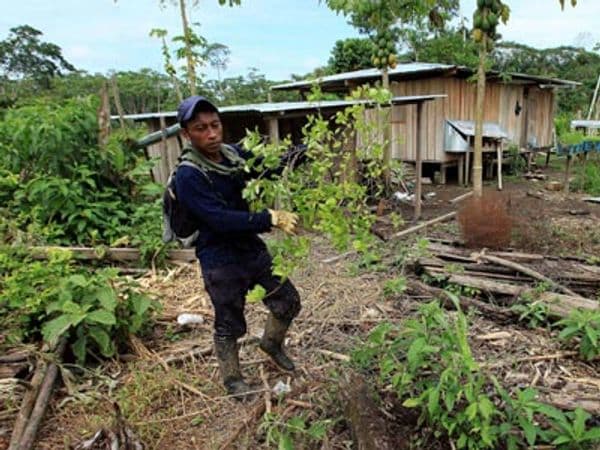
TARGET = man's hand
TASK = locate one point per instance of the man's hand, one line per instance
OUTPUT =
(284, 220)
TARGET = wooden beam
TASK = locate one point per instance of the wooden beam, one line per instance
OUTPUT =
(111, 254)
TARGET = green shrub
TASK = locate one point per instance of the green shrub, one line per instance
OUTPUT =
(54, 298)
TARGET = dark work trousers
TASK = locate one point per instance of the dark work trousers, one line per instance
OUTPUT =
(228, 285)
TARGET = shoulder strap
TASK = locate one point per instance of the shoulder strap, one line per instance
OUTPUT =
(188, 162)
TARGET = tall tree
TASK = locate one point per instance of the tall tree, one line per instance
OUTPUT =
(191, 39)
(23, 55)
(351, 54)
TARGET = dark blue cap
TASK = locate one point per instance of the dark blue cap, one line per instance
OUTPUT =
(186, 108)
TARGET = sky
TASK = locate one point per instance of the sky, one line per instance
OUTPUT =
(277, 37)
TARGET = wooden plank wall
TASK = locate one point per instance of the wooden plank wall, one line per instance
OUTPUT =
(168, 157)
(500, 105)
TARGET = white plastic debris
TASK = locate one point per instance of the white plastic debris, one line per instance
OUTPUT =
(403, 196)
(282, 388)
(430, 194)
(189, 319)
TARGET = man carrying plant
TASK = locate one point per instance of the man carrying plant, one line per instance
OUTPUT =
(232, 256)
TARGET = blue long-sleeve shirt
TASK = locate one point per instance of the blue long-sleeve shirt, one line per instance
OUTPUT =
(227, 228)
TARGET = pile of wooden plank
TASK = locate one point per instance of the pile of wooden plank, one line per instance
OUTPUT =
(566, 282)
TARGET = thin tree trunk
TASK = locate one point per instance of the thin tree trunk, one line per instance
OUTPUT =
(478, 146)
(188, 48)
(387, 147)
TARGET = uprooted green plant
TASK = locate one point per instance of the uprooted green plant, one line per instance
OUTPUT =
(55, 298)
(427, 361)
(323, 191)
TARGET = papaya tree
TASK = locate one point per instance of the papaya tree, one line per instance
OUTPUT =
(190, 39)
(486, 18)
(382, 21)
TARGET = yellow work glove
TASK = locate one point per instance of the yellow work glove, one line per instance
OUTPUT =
(284, 220)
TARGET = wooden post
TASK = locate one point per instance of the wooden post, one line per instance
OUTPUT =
(499, 157)
(583, 169)
(273, 125)
(567, 173)
(419, 163)
(104, 115)
(461, 170)
(117, 98)
(467, 167)
(163, 139)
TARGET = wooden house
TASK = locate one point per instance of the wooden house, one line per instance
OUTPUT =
(274, 120)
(520, 106)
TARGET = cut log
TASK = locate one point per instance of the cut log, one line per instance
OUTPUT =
(368, 425)
(526, 270)
(559, 305)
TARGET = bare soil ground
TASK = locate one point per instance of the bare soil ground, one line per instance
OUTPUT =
(181, 404)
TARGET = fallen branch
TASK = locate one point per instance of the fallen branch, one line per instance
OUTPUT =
(27, 438)
(397, 235)
(334, 355)
(460, 197)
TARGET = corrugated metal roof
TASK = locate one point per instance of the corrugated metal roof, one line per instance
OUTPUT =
(405, 70)
(401, 69)
(282, 107)
(595, 124)
(490, 129)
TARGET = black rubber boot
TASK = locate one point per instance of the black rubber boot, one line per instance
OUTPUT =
(272, 340)
(227, 352)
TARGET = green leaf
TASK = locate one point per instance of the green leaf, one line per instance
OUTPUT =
(55, 328)
(107, 297)
(285, 442)
(78, 280)
(433, 401)
(101, 316)
(70, 307)
(579, 424)
(318, 430)
(256, 294)
(562, 440)
(79, 349)
(486, 407)
(411, 402)
(198, 420)
(529, 430)
(101, 337)
(592, 435)
(140, 304)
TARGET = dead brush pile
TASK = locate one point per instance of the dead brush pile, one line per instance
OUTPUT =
(485, 221)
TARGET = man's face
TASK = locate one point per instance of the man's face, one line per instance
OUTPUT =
(205, 132)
